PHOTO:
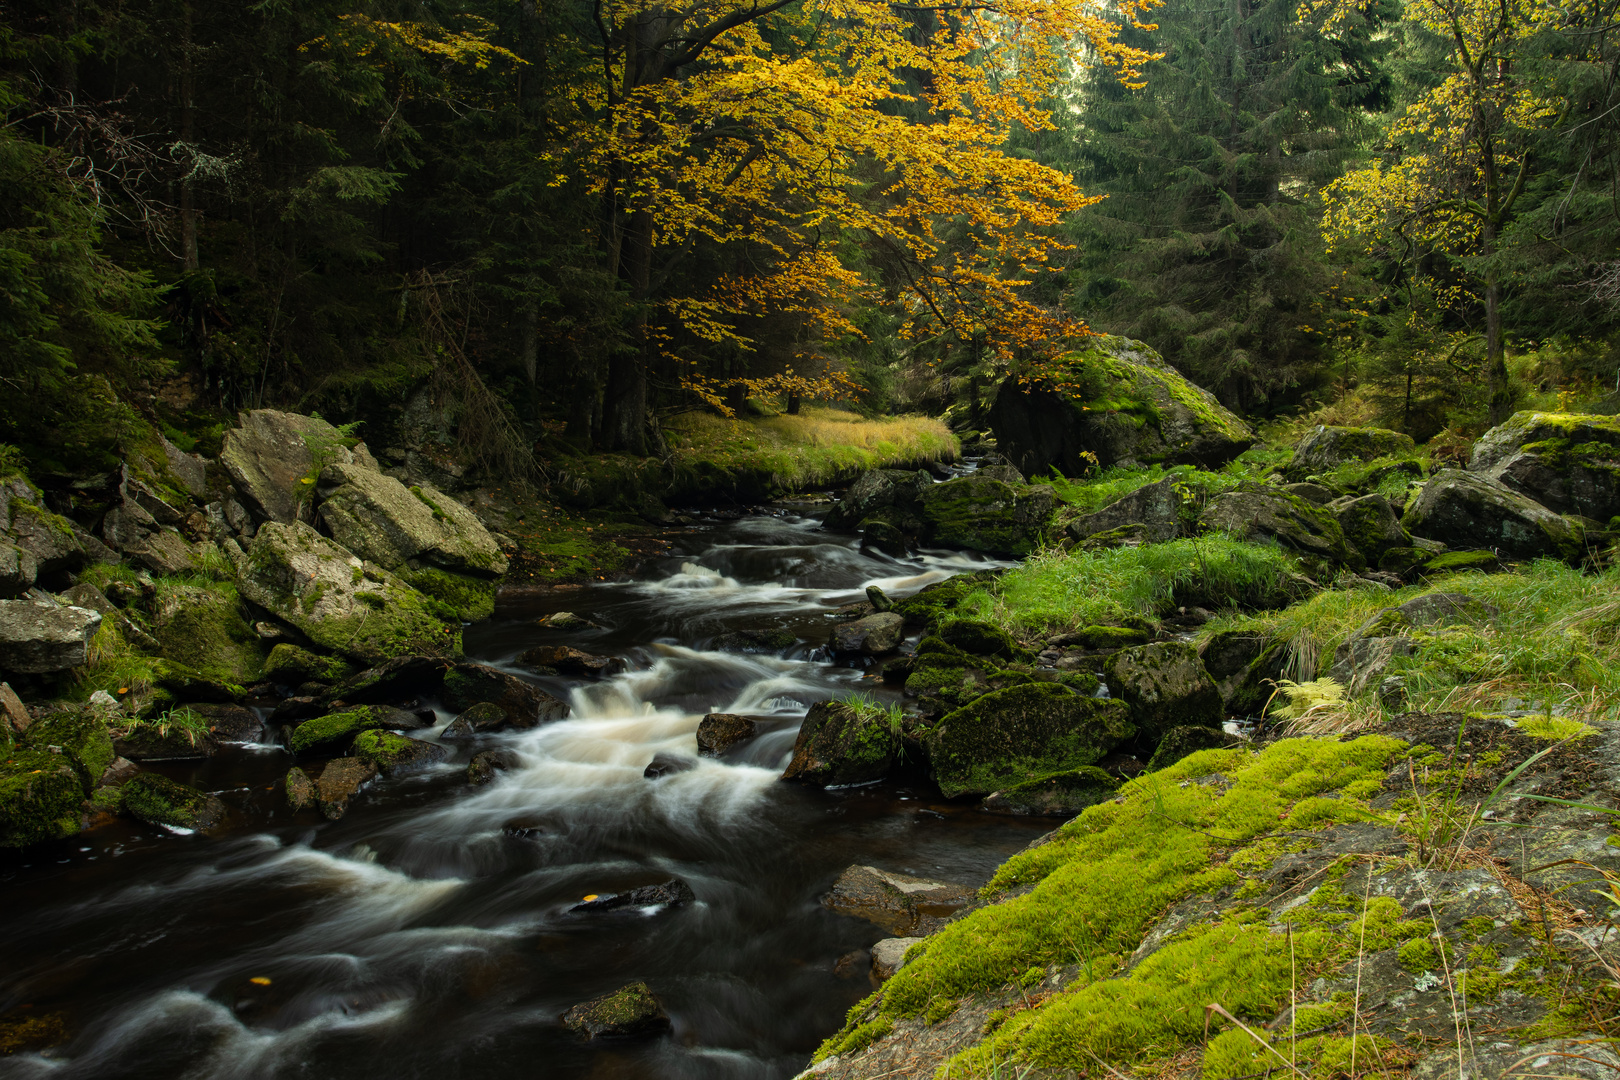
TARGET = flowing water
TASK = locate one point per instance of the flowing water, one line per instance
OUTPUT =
(428, 933)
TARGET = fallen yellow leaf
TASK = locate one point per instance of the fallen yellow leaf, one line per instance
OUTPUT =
(591, 897)
(259, 980)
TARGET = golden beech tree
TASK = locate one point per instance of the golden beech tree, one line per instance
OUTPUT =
(1461, 156)
(817, 136)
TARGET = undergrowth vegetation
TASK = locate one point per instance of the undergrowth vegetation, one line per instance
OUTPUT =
(1055, 590)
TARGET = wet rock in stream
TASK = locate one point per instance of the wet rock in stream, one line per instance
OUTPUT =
(663, 765)
(627, 1012)
(565, 660)
(484, 765)
(671, 893)
(901, 904)
(719, 732)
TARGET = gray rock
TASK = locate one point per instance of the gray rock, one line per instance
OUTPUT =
(50, 540)
(1360, 662)
(1468, 510)
(878, 599)
(1166, 687)
(189, 469)
(18, 570)
(671, 893)
(1062, 794)
(14, 716)
(525, 704)
(1315, 494)
(663, 765)
(1037, 427)
(164, 553)
(1288, 520)
(271, 455)
(889, 956)
(878, 490)
(1326, 447)
(719, 732)
(873, 635)
(895, 902)
(1158, 509)
(40, 636)
(383, 521)
(1371, 524)
(984, 514)
(565, 660)
(1021, 733)
(336, 600)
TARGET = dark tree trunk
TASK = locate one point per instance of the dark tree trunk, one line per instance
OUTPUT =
(188, 117)
(737, 398)
(793, 404)
(624, 404)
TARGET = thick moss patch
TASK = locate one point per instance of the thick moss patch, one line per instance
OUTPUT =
(80, 737)
(459, 596)
(157, 800)
(293, 666)
(335, 731)
(40, 797)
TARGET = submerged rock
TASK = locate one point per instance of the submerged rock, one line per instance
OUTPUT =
(628, 1012)
(755, 641)
(839, 744)
(873, 635)
(340, 782)
(396, 755)
(1121, 403)
(1009, 736)
(42, 636)
(898, 903)
(157, 800)
(719, 732)
(565, 660)
(671, 893)
(485, 764)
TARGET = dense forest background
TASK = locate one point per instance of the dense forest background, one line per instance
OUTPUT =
(566, 221)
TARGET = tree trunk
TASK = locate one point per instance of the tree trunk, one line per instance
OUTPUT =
(793, 404)
(1496, 373)
(188, 114)
(624, 403)
(529, 350)
(737, 398)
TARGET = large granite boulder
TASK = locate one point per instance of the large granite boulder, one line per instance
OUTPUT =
(40, 636)
(1325, 448)
(274, 457)
(1567, 463)
(1117, 400)
(341, 603)
(1152, 514)
(203, 630)
(984, 514)
(1166, 686)
(381, 520)
(839, 744)
(1274, 516)
(1023, 732)
(1471, 510)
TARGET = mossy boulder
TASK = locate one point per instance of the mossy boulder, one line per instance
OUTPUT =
(1153, 514)
(1273, 516)
(983, 514)
(334, 732)
(1009, 736)
(628, 1012)
(157, 800)
(1165, 686)
(1403, 560)
(1180, 742)
(396, 680)
(273, 456)
(840, 744)
(1466, 510)
(1326, 447)
(1059, 795)
(1371, 524)
(290, 665)
(978, 638)
(1116, 401)
(1106, 637)
(932, 603)
(202, 629)
(891, 495)
(34, 541)
(873, 635)
(395, 755)
(1244, 666)
(1568, 463)
(41, 797)
(483, 718)
(383, 521)
(80, 735)
(943, 683)
(341, 603)
(466, 597)
(1457, 562)
(525, 705)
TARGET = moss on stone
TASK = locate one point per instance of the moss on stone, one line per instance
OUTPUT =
(392, 753)
(981, 639)
(293, 666)
(459, 596)
(40, 797)
(992, 516)
(1012, 735)
(157, 800)
(932, 603)
(81, 737)
(202, 630)
(1453, 562)
(336, 730)
(1061, 794)
(1109, 637)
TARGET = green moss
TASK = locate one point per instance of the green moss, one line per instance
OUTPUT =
(1109, 637)
(1457, 561)
(335, 730)
(982, 514)
(855, 1039)
(1087, 897)
(458, 596)
(1012, 735)
(932, 603)
(292, 666)
(40, 797)
(202, 629)
(1062, 793)
(1555, 728)
(981, 639)
(158, 800)
(82, 738)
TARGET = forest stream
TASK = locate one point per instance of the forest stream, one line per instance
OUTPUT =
(428, 933)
